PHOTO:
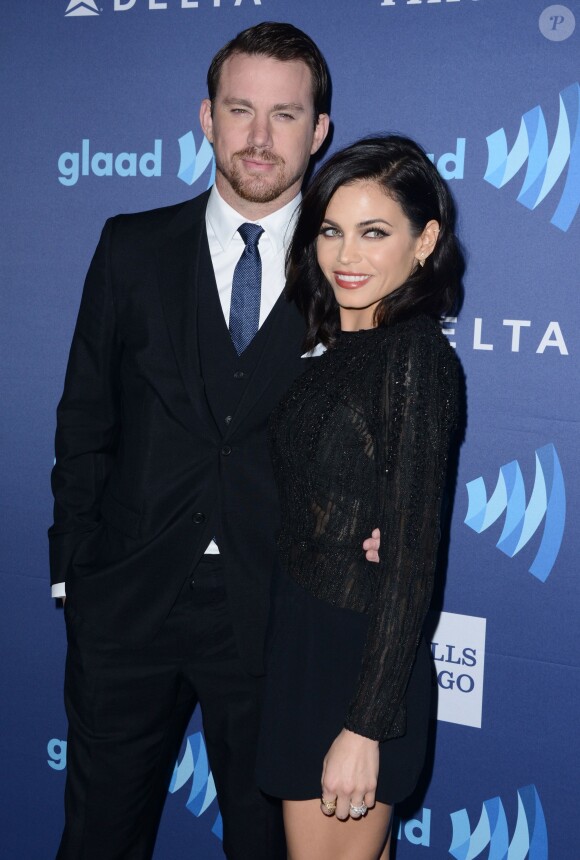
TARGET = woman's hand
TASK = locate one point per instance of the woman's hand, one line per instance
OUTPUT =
(349, 774)
(372, 545)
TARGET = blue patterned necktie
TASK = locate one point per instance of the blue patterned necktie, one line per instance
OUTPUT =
(246, 287)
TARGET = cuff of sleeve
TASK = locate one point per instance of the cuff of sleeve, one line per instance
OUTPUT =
(58, 590)
(372, 733)
(376, 731)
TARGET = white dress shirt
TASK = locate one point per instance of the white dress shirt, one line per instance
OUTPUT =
(226, 247)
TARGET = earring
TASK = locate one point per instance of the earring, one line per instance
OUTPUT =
(421, 261)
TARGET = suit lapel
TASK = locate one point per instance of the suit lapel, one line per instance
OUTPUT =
(182, 259)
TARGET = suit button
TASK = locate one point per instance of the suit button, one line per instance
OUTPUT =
(239, 374)
(198, 518)
(226, 450)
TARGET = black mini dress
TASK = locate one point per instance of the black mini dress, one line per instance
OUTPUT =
(360, 441)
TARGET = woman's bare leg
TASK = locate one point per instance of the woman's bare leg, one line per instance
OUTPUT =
(387, 849)
(311, 835)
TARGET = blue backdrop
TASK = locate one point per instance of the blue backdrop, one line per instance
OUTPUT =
(100, 116)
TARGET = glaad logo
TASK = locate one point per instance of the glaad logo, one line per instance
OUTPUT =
(56, 750)
(451, 165)
(548, 500)
(74, 164)
(545, 166)
(417, 831)
(81, 7)
(195, 764)
(193, 163)
(530, 838)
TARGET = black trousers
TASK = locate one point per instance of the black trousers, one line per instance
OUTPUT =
(128, 710)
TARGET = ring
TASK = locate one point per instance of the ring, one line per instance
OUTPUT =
(355, 811)
(329, 805)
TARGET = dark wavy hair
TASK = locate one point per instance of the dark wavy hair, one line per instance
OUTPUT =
(279, 41)
(406, 175)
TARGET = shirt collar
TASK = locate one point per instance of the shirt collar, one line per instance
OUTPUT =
(224, 221)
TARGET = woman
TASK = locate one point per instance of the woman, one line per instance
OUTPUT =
(362, 437)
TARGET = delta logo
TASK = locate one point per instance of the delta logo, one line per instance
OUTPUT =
(85, 8)
(77, 8)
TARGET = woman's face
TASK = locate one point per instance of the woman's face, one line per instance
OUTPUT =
(365, 249)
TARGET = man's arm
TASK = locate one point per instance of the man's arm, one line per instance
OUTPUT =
(87, 417)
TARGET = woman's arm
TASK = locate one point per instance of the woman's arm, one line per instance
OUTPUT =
(418, 418)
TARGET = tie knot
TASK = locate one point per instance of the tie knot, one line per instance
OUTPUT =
(250, 233)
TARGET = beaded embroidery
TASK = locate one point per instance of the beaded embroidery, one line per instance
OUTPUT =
(360, 441)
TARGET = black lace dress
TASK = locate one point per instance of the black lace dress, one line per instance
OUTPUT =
(361, 440)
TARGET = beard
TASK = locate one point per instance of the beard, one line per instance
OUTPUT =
(257, 189)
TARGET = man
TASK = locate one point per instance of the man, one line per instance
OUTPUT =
(165, 504)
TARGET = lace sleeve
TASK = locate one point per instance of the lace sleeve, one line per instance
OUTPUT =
(418, 414)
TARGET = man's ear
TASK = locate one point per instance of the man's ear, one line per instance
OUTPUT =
(320, 132)
(205, 119)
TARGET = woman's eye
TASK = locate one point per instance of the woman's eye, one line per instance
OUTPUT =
(329, 232)
(375, 233)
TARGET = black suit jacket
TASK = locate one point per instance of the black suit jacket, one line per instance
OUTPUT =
(140, 463)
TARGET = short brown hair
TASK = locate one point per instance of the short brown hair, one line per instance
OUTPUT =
(282, 42)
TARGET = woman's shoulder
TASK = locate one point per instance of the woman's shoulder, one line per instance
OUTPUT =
(418, 336)
(422, 367)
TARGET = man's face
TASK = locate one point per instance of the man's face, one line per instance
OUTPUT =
(263, 131)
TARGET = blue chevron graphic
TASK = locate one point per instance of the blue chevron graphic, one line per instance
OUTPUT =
(545, 166)
(548, 500)
(193, 163)
(195, 764)
(530, 838)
